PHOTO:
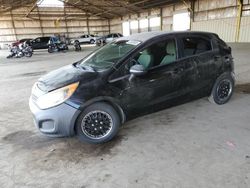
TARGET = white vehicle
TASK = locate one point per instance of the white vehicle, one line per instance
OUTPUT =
(108, 38)
(112, 37)
(84, 39)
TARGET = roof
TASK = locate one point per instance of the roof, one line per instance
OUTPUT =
(106, 9)
(150, 35)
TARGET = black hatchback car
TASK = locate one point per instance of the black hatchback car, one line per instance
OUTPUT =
(40, 43)
(129, 77)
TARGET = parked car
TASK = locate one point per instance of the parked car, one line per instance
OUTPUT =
(130, 77)
(84, 39)
(21, 41)
(40, 43)
(108, 38)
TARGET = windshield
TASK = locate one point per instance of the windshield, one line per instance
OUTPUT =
(109, 54)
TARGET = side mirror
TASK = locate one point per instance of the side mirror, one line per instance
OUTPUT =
(137, 70)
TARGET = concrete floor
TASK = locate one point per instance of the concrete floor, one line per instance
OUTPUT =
(197, 144)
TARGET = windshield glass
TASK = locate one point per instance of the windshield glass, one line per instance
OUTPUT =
(109, 54)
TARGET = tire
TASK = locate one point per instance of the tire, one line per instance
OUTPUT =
(92, 41)
(223, 89)
(50, 50)
(28, 54)
(96, 118)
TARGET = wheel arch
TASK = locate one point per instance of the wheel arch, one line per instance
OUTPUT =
(109, 100)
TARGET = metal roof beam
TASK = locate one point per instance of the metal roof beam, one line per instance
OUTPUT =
(104, 11)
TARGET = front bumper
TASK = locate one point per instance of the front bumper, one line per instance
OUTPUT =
(57, 121)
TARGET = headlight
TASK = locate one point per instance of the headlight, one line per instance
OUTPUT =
(56, 97)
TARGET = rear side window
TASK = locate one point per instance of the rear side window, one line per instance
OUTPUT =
(45, 39)
(195, 45)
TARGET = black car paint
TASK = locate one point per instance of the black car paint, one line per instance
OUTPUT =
(162, 86)
(40, 43)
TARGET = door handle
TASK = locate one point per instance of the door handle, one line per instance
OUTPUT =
(178, 70)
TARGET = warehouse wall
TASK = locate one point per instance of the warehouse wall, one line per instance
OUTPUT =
(218, 16)
(46, 21)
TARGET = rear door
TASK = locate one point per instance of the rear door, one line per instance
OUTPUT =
(87, 39)
(36, 43)
(199, 48)
(44, 42)
(109, 38)
(82, 39)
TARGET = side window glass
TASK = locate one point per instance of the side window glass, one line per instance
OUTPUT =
(109, 36)
(43, 39)
(160, 53)
(195, 45)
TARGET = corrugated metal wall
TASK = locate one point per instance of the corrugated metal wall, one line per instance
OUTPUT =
(47, 21)
(225, 28)
(245, 30)
(221, 17)
(218, 16)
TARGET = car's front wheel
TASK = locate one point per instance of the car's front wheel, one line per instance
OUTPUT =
(92, 41)
(223, 89)
(98, 123)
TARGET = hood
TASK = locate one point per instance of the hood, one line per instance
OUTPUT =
(64, 76)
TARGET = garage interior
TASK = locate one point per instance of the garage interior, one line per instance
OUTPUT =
(197, 144)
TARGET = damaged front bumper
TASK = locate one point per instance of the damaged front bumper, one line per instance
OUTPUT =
(57, 121)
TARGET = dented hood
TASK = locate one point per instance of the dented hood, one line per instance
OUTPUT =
(65, 76)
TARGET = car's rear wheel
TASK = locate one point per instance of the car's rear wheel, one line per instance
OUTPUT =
(98, 123)
(92, 41)
(223, 89)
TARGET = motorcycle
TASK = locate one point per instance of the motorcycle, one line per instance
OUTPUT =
(14, 51)
(77, 46)
(20, 51)
(27, 50)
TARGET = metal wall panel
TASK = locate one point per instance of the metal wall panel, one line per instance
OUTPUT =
(52, 21)
(245, 30)
(225, 28)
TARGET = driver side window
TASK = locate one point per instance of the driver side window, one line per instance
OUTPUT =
(160, 53)
(157, 54)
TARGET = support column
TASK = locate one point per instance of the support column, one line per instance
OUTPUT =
(161, 17)
(88, 25)
(239, 15)
(109, 25)
(13, 25)
(40, 22)
(65, 19)
(149, 13)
